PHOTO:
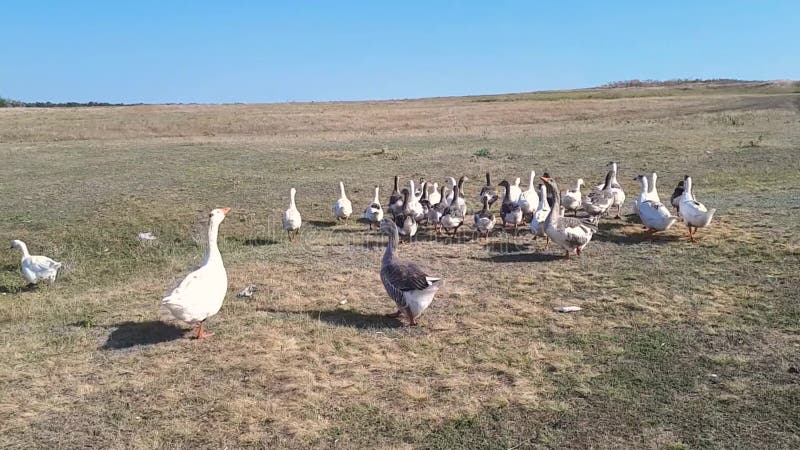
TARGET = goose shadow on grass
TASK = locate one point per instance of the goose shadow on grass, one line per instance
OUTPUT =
(17, 289)
(521, 257)
(346, 318)
(252, 242)
(322, 223)
(640, 237)
(131, 334)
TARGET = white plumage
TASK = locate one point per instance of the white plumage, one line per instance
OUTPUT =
(36, 268)
(342, 208)
(201, 293)
(291, 218)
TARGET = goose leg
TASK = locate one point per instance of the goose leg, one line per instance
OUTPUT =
(411, 321)
(394, 315)
(202, 333)
(289, 235)
(566, 254)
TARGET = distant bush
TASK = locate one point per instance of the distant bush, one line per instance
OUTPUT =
(8, 103)
(666, 83)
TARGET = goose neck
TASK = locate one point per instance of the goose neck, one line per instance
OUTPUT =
(212, 255)
(23, 248)
(292, 204)
(341, 190)
(377, 195)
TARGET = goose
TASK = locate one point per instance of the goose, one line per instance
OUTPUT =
(291, 218)
(201, 293)
(425, 203)
(599, 202)
(36, 268)
(652, 191)
(395, 203)
(568, 232)
(342, 209)
(406, 222)
(488, 191)
(540, 215)
(484, 219)
(515, 190)
(406, 283)
(550, 196)
(613, 185)
(437, 210)
(451, 183)
(510, 212)
(418, 192)
(650, 194)
(571, 198)
(458, 197)
(694, 213)
(414, 204)
(452, 217)
(529, 200)
(435, 196)
(374, 212)
(655, 216)
(675, 200)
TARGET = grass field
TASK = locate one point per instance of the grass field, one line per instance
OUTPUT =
(679, 345)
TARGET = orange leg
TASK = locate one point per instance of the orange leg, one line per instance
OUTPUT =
(202, 333)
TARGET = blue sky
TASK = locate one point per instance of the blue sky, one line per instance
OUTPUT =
(214, 51)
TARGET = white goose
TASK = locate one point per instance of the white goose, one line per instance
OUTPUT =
(201, 293)
(515, 191)
(542, 211)
(458, 201)
(451, 184)
(36, 268)
(571, 198)
(291, 218)
(529, 200)
(568, 232)
(374, 212)
(655, 216)
(342, 208)
(435, 196)
(694, 213)
(612, 185)
(650, 194)
(414, 204)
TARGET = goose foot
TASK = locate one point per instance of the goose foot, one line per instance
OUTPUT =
(31, 286)
(394, 315)
(566, 254)
(202, 333)
(578, 251)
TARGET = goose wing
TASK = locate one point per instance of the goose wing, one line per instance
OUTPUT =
(42, 264)
(399, 277)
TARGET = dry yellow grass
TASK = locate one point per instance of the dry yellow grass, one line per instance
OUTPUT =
(87, 363)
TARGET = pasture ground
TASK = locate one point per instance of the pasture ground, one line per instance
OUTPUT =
(679, 345)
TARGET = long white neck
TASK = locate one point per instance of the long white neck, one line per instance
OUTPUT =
(652, 187)
(578, 183)
(341, 190)
(291, 199)
(377, 195)
(614, 172)
(643, 184)
(543, 205)
(212, 255)
(530, 180)
(24, 249)
(687, 188)
(516, 182)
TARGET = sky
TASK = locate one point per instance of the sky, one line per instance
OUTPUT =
(201, 51)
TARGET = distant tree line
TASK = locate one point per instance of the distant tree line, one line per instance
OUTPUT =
(674, 82)
(9, 103)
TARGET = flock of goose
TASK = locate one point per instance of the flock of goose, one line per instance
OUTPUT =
(544, 208)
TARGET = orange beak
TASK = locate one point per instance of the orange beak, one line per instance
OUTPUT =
(225, 210)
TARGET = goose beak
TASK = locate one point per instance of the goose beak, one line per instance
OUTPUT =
(225, 210)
